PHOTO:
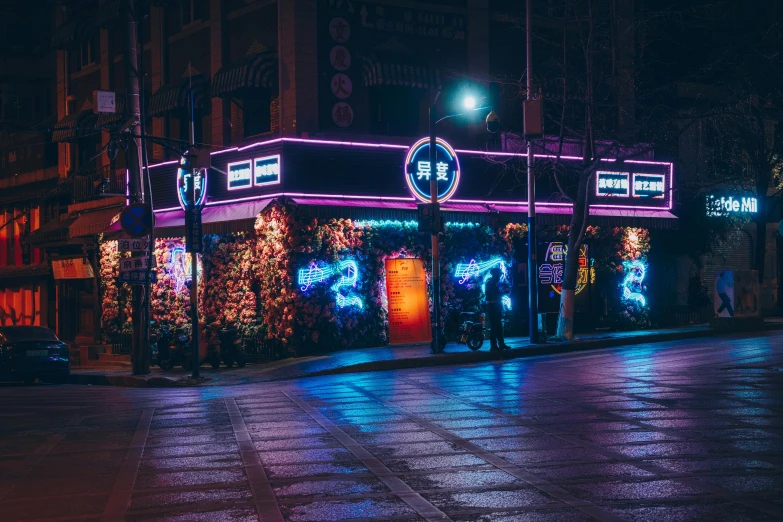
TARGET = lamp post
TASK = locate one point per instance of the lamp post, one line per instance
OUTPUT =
(532, 244)
(470, 103)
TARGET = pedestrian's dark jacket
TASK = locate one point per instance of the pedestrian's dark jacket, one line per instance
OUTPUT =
(492, 290)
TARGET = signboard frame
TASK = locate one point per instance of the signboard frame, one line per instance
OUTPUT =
(408, 302)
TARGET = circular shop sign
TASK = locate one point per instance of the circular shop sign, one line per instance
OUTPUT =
(418, 170)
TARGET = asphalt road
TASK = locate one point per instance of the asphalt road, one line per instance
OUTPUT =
(658, 432)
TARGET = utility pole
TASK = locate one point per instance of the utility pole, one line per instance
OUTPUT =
(532, 243)
(192, 210)
(435, 230)
(140, 348)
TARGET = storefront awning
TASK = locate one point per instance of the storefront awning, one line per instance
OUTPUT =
(71, 33)
(377, 72)
(108, 13)
(175, 96)
(25, 271)
(257, 70)
(74, 125)
(54, 231)
(92, 223)
(244, 210)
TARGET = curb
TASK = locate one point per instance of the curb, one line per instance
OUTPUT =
(533, 351)
(437, 360)
(130, 381)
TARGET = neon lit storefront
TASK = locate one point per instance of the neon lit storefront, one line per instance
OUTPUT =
(297, 232)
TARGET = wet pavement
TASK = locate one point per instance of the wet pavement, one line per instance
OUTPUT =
(658, 432)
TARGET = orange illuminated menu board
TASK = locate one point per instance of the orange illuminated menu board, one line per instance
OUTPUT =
(409, 309)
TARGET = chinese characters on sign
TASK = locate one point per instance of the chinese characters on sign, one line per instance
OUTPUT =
(408, 22)
(649, 185)
(341, 84)
(409, 309)
(186, 176)
(266, 171)
(133, 245)
(612, 184)
(418, 170)
(240, 175)
(72, 269)
(552, 270)
(134, 263)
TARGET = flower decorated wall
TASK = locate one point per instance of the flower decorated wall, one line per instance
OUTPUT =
(250, 281)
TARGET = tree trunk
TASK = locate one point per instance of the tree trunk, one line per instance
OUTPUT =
(565, 320)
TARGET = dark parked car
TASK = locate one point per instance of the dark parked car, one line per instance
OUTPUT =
(30, 352)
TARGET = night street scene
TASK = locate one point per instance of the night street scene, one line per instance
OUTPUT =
(395, 260)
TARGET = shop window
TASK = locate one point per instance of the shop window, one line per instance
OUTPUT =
(88, 53)
(192, 11)
(395, 111)
(256, 114)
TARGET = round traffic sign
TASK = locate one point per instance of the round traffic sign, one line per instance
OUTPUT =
(137, 220)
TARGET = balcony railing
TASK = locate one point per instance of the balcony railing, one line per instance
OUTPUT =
(99, 183)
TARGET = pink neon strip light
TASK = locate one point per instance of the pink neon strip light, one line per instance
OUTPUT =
(405, 147)
(552, 204)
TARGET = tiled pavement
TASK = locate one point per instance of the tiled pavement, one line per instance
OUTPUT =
(684, 431)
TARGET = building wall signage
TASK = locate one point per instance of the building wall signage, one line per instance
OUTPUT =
(266, 170)
(72, 269)
(418, 170)
(186, 175)
(240, 175)
(551, 271)
(409, 308)
(649, 186)
(257, 172)
(612, 184)
(731, 205)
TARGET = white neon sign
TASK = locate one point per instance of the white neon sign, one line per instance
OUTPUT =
(731, 205)
(240, 175)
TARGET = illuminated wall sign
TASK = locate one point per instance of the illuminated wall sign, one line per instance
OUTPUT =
(348, 272)
(550, 271)
(467, 271)
(725, 206)
(266, 170)
(649, 185)
(418, 170)
(181, 268)
(240, 175)
(612, 184)
(185, 174)
(632, 284)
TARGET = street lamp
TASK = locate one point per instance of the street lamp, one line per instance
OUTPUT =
(493, 122)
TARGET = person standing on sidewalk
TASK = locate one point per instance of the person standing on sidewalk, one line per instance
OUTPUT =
(494, 296)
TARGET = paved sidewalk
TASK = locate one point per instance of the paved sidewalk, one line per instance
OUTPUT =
(388, 358)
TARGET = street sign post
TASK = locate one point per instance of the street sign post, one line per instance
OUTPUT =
(129, 264)
(137, 220)
(137, 276)
(192, 185)
(141, 244)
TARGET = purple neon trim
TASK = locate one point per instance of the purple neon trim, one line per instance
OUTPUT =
(162, 164)
(260, 143)
(408, 200)
(222, 151)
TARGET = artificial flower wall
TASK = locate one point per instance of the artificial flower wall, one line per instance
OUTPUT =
(251, 281)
